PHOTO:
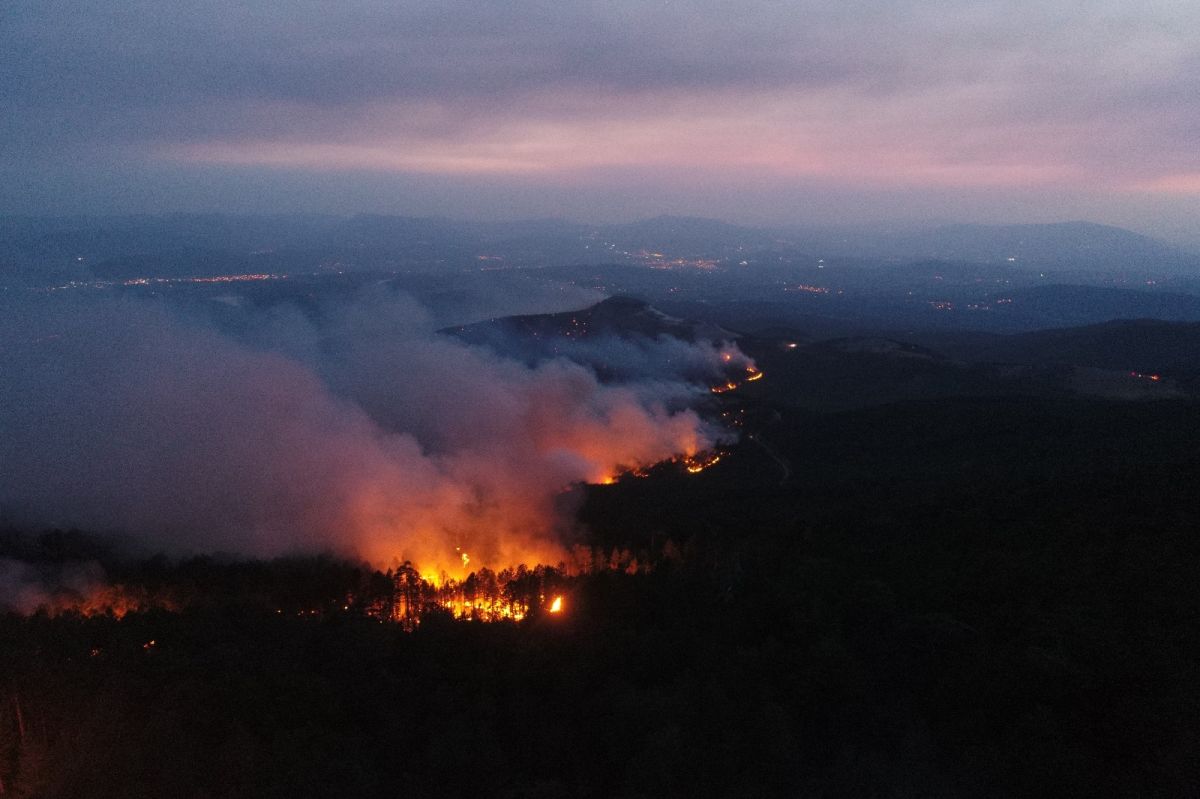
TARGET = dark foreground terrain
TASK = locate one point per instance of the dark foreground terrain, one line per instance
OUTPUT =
(986, 596)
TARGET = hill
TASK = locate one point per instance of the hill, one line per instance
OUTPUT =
(618, 317)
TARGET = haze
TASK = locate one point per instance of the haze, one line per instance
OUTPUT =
(805, 113)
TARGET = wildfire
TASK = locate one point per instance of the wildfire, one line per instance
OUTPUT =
(484, 596)
(400, 596)
(752, 373)
(106, 600)
(692, 464)
(701, 461)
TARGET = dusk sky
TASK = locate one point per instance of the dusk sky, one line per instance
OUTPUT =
(756, 112)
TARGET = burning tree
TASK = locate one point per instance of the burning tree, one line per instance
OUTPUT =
(483, 595)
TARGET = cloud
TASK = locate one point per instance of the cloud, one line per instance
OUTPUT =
(904, 95)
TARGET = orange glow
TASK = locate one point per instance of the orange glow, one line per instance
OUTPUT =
(699, 462)
(104, 600)
(482, 596)
(752, 373)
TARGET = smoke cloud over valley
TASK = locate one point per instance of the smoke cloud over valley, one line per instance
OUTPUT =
(353, 426)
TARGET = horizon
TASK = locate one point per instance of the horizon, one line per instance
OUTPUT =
(1188, 245)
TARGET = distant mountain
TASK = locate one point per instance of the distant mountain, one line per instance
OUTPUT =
(1144, 345)
(1071, 246)
(1066, 245)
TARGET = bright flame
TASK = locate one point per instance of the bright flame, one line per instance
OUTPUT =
(751, 375)
(694, 464)
(483, 596)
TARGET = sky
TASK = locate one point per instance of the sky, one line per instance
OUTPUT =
(759, 111)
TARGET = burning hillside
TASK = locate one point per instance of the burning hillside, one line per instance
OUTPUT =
(308, 588)
(358, 431)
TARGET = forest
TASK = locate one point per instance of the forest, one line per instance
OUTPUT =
(987, 596)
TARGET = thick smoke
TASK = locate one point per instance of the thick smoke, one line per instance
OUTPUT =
(356, 429)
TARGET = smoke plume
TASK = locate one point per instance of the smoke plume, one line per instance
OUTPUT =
(355, 429)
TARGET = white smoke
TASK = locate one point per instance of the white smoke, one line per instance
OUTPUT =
(361, 432)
